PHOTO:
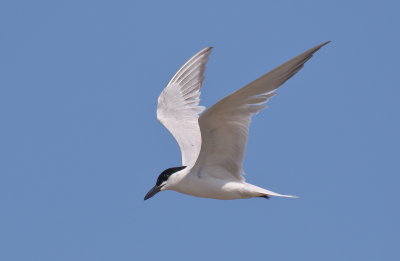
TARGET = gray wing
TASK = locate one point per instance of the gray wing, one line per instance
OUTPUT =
(225, 126)
(178, 106)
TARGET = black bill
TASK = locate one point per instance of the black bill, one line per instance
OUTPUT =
(152, 192)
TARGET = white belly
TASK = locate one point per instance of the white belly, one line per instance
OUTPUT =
(209, 187)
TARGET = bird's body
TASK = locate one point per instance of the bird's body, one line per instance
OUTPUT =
(191, 183)
(213, 143)
(203, 183)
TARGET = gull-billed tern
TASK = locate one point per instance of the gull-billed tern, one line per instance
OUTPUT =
(213, 142)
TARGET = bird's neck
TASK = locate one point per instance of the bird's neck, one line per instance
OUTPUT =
(177, 177)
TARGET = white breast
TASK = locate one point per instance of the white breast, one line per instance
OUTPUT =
(209, 187)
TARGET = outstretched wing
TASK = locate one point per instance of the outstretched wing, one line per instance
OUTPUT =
(225, 126)
(178, 106)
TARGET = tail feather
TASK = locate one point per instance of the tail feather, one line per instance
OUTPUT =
(266, 193)
(271, 193)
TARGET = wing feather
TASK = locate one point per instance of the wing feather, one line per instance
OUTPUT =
(178, 106)
(225, 126)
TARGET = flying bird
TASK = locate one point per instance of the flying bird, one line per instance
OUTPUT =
(213, 142)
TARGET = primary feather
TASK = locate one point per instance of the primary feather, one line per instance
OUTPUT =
(178, 106)
(225, 126)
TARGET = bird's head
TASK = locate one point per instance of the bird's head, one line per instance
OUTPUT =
(163, 181)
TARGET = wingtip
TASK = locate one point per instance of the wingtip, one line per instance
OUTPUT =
(322, 45)
(326, 42)
(315, 49)
(207, 50)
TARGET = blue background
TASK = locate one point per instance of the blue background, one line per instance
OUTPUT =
(80, 144)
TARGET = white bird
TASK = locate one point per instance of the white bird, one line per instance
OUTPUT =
(213, 143)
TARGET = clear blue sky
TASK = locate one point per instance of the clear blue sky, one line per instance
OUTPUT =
(80, 144)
